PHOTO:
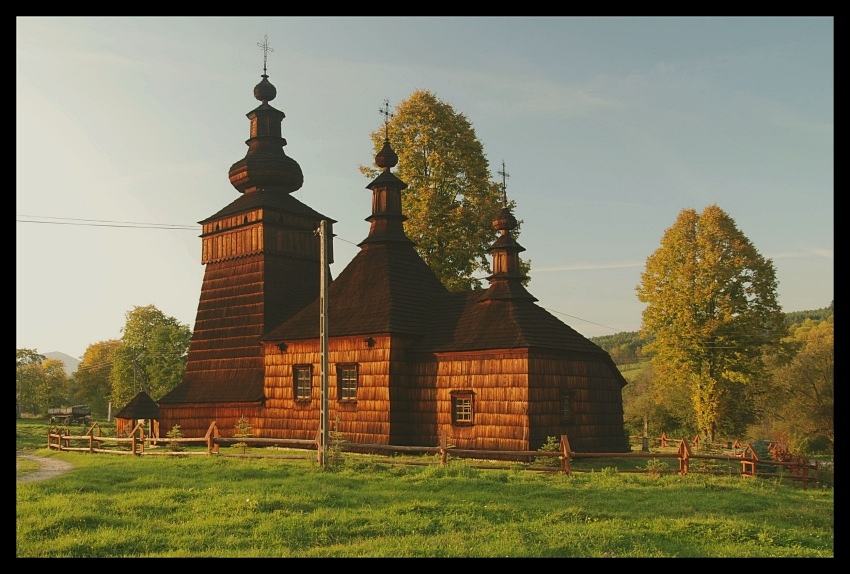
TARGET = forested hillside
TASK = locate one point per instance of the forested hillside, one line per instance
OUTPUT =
(626, 347)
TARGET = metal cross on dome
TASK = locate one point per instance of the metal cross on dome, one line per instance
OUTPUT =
(266, 49)
(504, 175)
(387, 116)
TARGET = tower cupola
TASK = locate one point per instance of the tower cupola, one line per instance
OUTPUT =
(387, 219)
(265, 165)
(506, 280)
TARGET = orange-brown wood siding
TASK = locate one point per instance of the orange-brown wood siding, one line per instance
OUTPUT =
(365, 420)
(499, 383)
(195, 418)
(596, 403)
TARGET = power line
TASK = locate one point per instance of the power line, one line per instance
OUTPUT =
(100, 222)
(140, 225)
(579, 318)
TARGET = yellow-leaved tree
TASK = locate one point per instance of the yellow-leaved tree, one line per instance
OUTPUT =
(804, 388)
(711, 311)
(450, 201)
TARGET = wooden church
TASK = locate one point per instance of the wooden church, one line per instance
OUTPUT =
(408, 359)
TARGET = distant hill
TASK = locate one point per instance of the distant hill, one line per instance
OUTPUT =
(71, 363)
(626, 347)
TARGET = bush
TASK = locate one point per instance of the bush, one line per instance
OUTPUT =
(175, 432)
(552, 444)
(242, 429)
(654, 467)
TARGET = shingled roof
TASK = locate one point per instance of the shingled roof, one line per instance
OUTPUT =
(140, 407)
(266, 198)
(386, 288)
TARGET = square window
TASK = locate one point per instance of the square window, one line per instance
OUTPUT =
(303, 378)
(462, 408)
(347, 382)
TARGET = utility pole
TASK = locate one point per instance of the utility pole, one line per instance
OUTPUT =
(323, 341)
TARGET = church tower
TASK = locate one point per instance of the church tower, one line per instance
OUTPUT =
(262, 266)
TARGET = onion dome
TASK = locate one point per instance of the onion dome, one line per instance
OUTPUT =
(265, 90)
(505, 221)
(386, 158)
(266, 166)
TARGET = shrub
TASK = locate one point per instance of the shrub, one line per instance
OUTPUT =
(335, 438)
(242, 429)
(655, 467)
(175, 432)
(552, 444)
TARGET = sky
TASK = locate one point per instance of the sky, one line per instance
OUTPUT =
(126, 128)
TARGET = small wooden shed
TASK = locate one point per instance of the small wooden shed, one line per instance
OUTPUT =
(140, 408)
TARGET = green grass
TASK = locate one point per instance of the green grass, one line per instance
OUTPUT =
(124, 506)
(632, 370)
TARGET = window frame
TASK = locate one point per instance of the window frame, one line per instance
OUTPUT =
(565, 408)
(296, 388)
(463, 408)
(343, 389)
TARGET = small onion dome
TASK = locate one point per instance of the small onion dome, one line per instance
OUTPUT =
(386, 158)
(504, 220)
(265, 91)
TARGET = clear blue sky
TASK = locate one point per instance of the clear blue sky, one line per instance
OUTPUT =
(609, 127)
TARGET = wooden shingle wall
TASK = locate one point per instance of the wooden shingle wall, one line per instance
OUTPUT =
(596, 423)
(499, 383)
(195, 418)
(365, 420)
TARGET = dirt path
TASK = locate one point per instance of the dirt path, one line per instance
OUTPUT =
(48, 468)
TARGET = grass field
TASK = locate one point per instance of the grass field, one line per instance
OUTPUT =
(217, 506)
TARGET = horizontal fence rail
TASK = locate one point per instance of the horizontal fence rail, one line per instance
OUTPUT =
(801, 471)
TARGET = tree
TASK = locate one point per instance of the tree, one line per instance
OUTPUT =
(53, 389)
(711, 308)
(151, 357)
(91, 382)
(803, 391)
(647, 404)
(450, 200)
(26, 377)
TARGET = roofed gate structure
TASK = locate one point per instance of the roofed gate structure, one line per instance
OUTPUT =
(408, 359)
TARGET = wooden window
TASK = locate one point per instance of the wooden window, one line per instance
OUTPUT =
(566, 407)
(462, 414)
(346, 382)
(303, 381)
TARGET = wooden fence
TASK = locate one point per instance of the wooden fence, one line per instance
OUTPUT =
(800, 470)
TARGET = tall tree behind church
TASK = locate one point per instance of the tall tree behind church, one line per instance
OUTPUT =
(151, 357)
(450, 200)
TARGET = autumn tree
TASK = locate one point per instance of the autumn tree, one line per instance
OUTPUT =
(450, 200)
(91, 383)
(801, 402)
(42, 383)
(711, 310)
(648, 405)
(151, 356)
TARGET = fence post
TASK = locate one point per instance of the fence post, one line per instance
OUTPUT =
(212, 434)
(663, 439)
(684, 457)
(565, 454)
(748, 463)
